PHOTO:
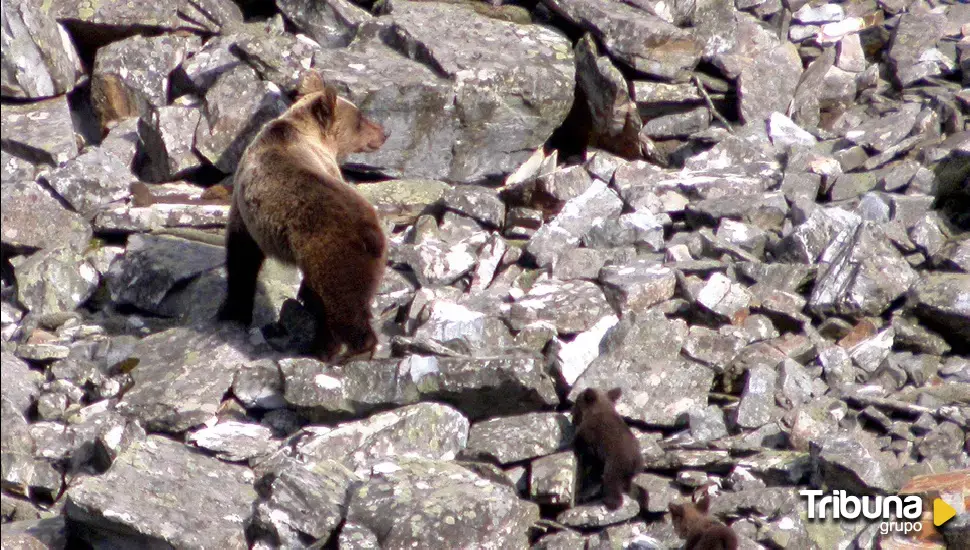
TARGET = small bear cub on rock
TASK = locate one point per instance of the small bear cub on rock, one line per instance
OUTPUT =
(290, 201)
(604, 442)
(701, 531)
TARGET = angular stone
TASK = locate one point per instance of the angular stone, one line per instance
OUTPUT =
(854, 463)
(236, 107)
(712, 348)
(812, 237)
(638, 285)
(723, 297)
(573, 221)
(332, 23)
(168, 134)
(152, 265)
(672, 387)
(91, 181)
(16, 449)
(861, 274)
(130, 76)
(553, 478)
(303, 501)
(55, 281)
(767, 82)
(757, 406)
(565, 183)
(38, 59)
(132, 503)
(180, 376)
(642, 229)
(884, 132)
(616, 123)
(234, 441)
(471, 111)
(413, 501)
(785, 133)
(636, 37)
(516, 438)
(427, 430)
(51, 142)
(481, 387)
(438, 263)
(678, 124)
(573, 306)
(479, 203)
(200, 71)
(943, 303)
(353, 388)
(916, 34)
(574, 356)
(597, 515)
(402, 201)
(33, 219)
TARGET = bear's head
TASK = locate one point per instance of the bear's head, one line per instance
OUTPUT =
(689, 517)
(592, 401)
(340, 122)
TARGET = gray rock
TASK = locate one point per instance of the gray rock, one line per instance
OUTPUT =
(21, 385)
(480, 387)
(443, 502)
(573, 306)
(616, 123)
(854, 463)
(942, 301)
(352, 389)
(236, 107)
(54, 281)
(573, 221)
(280, 58)
(638, 285)
(565, 183)
(234, 441)
(35, 534)
(303, 501)
(453, 101)
(915, 36)
(438, 263)
(785, 133)
(881, 133)
(130, 76)
(640, 229)
(552, 479)
(426, 430)
(861, 274)
(597, 515)
(214, 499)
(636, 37)
(757, 406)
(677, 124)
(33, 219)
(91, 181)
(332, 23)
(50, 143)
(823, 226)
(561, 540)
(259, 384)
(16, 449)
(768, 78)
(672, 387)
(723, 297)
(38, 58)
(572, 358)
(205, 66)
(479, 203)
(711, 347)
(168, 134)
(516, 438)
(180, 375)
(152, 265)
(15, 169)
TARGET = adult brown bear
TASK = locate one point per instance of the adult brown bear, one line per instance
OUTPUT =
(291, 202)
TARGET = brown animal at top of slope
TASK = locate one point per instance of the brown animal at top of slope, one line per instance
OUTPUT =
(290, 201)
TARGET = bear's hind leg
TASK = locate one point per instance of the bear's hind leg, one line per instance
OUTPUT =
(613, 485)
(243, 261)
(325, 343)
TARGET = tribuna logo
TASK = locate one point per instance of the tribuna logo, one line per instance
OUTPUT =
(906, 510)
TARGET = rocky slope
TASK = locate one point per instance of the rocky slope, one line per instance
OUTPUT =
(752, 216)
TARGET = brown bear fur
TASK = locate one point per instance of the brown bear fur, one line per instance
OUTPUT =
(291, 202)
(603, 436)
(701, 531)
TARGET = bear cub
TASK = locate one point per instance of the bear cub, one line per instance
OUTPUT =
(701, 531)
(290, 201)
(605, 442)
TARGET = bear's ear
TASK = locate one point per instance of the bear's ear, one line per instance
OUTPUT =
(324, 107)
(703, 504)
(587, 398)
(311, 81)
(676, 510)
(614, 394)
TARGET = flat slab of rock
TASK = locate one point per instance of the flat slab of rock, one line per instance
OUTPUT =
(160, 492)
(514, 438)
(576, 218)
(34, 219)
(425, 430)
(419, 502)
(180, 376)
(39, 59)
(659, 392)
(40, 131)
(572, 306)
